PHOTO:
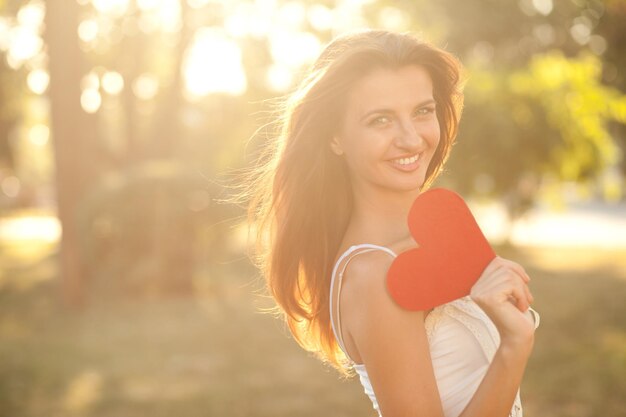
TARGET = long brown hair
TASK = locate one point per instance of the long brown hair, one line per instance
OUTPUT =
(301, 198)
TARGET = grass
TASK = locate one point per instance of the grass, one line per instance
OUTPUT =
(214, 354)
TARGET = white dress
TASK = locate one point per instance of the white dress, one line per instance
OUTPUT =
(462, 340)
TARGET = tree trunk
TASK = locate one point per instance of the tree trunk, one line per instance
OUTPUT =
(73, 134)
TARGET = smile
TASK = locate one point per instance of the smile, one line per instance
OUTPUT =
(408, 164)
(406, 161)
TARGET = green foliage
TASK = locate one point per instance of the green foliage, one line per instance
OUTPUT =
(578, 106)
(543, 101)
(550, 118)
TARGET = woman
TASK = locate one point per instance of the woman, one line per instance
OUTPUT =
(368, 130)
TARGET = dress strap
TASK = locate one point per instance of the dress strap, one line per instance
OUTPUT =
(350, 254)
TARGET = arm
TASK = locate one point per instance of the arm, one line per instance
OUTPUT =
(392, 342)
(502, 292)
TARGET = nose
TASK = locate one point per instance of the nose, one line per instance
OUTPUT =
(408, 136)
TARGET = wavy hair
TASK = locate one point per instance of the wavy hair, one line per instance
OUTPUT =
(299, 193)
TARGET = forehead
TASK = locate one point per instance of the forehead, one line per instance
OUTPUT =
(390, 88)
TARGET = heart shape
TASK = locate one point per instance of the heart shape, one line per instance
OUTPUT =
(452, 255)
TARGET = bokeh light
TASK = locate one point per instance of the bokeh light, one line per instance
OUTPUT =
(88, 30)
(39, 134)
(113, 7)
(160, 14)
(90, 100)
(213, 65)
(31, 14)
(38, 81)
(112, 82)
(145, 86)
(10, 186)
(25, 43)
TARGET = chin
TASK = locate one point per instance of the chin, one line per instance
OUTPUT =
(407, 186)
(410, 184)
(401, 183)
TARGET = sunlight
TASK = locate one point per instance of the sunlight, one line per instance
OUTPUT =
(38, 80)
(32, 14)
(213, 65)
(196, 4)
(25, 43)
(543, 6)
(39, 135)
(160, 14)
(90, 81)
(581, 225)
(145, 5)
(294, 49)
(112, 7)
(213, 61)
(146, 86)
(112, 82)
(40, 228)
(576, 227)
(88, 30)
(90, 100)
(393, 18)
(581, 30)
(83, 392)
(320, 17)
(291, 16)
(245, 20)
(22, 39)
(279, 77)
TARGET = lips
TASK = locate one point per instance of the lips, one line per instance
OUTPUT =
(407, 163)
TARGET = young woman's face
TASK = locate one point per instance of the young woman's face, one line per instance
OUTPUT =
(390, 129)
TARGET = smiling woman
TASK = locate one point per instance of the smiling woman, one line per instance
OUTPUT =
(365, 133)
(389, 105)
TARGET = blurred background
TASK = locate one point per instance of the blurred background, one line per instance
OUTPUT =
(125, 284)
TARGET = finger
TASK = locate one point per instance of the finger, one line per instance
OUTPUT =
(529, 295)
(520, 298)
(504, 275)
(500, 271)
(527, 299)
(517, 268)
(514, 292)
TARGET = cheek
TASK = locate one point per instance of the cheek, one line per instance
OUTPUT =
(435, 141)
(365, 144)
(434, 134)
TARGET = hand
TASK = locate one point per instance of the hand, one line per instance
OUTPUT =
(503, 294)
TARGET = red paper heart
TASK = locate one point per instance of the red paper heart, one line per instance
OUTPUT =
(452, 253)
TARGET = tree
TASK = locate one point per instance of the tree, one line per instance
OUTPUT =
(74, 135)
(541, 101)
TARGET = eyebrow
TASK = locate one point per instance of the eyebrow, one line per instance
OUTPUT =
(389, 111)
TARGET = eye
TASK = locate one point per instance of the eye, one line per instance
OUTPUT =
(380, 121)
(425, 111)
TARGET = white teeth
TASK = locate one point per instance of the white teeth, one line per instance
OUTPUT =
(406, 161)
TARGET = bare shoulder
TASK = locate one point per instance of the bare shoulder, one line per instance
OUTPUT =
(390, 340)
(371, 268)
(365, 279)
(366, 272)
(404, 244)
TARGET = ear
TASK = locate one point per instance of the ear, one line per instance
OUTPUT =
(335, 146)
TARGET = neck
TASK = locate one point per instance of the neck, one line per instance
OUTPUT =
(380, 215)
